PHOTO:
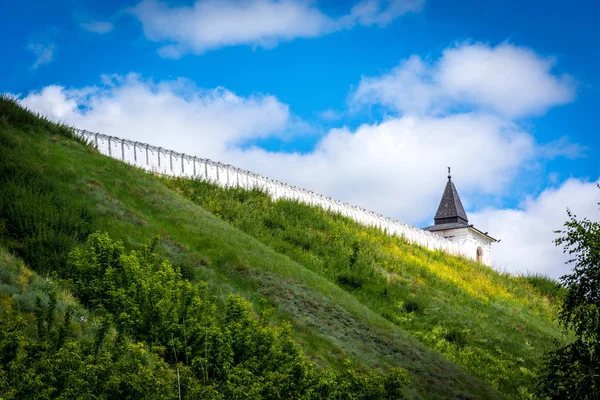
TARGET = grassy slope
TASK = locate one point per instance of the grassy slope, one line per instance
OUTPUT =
(131, 205)
(494, 325)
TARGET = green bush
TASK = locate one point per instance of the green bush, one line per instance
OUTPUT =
(153, 335)
(51, 350)
(230, 350)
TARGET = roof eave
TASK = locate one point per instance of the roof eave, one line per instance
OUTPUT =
(483, 234)
(462, 227)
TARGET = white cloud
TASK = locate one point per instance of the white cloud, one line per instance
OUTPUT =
(398, 167)
(212, 24)
(99, 27)
(508, 80)
(43, 51)
(527, 233)
(52, 102)
(173, 114)
(409, 88)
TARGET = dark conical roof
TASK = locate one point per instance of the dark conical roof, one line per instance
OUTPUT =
(450, 209)
(451, 213)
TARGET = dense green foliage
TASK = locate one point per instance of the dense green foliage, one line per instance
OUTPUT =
(51, 347)
(455, 306)
(573, 370)
(162, 323)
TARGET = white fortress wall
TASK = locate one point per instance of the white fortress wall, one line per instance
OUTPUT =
(171, 163)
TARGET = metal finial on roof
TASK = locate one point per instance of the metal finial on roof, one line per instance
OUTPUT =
(449, 176)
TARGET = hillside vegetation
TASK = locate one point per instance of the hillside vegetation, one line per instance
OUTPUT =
(135, 279)
(492, 324)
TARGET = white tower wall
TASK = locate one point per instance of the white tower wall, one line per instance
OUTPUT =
(469, 241)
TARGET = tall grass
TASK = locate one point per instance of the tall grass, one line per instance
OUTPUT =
(494, 325)
(545, 285)
(14, 114)
(39, 221)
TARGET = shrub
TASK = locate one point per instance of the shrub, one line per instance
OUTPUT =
(229, 349)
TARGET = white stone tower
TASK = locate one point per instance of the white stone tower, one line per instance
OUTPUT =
(451, 222)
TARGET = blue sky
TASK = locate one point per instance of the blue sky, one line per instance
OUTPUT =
(364, 100)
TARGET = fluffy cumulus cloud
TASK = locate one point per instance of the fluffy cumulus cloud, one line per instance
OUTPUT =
(508, 80)
(527, 233)
(173, 114)
(396, 166)
(211, 24)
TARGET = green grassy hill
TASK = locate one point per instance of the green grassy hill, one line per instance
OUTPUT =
(319, 282)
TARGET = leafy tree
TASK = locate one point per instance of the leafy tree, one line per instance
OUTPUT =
(573, 371)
